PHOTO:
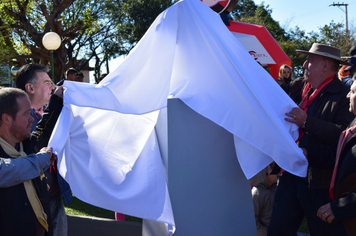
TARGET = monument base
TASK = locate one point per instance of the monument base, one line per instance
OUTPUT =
(209, 193)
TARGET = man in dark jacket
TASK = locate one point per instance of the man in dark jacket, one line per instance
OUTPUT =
(343, 182)
(24, 207)
(322, 115)
(34, 80)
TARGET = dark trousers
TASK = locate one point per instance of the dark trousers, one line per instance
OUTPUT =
(294, 200)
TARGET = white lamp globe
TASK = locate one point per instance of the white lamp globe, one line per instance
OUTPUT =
(51, 41)
(14, 70)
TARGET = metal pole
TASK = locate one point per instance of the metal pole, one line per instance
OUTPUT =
(52, 66)
(347, 25)
(345, 5)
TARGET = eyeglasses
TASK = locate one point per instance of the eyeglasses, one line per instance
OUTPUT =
(284, 71)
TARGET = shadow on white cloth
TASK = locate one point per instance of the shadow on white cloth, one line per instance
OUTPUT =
(105, 136)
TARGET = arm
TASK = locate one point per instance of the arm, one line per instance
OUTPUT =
(325, 213)
(16, 171)
(329, 132)
(345, 207)
(326, 132)
(332, 115)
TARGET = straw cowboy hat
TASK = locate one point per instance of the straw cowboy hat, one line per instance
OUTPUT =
(325, 51)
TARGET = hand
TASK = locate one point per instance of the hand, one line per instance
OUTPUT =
(325, 213)
(59, 91)
(305, 152)
(49, 151)
(296, 116)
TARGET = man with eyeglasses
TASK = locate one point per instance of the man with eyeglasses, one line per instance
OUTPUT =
(34, 80)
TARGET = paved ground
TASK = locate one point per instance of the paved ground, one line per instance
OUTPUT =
(91, 226)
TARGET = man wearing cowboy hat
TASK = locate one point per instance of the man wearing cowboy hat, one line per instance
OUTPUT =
(321, 116)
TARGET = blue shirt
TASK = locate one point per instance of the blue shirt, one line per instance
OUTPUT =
(18, 170)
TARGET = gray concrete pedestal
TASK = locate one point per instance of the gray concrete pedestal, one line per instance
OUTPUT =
(209, 193)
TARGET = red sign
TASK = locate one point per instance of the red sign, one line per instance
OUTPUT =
(218, 6)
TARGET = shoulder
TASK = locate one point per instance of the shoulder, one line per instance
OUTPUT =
(3, 153)
(298, 82)
(337, 87)
(295, 89)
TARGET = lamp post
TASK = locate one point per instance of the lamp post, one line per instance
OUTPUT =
(14, 70)
(51, 41)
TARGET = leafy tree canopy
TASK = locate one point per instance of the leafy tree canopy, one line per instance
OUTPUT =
(99, 29)
(105, 29)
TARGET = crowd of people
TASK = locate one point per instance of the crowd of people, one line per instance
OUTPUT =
(326, 197)
(32, 192)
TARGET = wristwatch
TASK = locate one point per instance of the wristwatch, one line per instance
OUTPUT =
(303, 126)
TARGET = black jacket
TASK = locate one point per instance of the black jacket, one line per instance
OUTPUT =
(328, 116)
(16, 215)
(344, 207)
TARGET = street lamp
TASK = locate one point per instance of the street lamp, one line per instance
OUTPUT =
(14, 70)
(51, 41)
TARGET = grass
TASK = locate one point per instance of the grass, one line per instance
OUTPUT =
(304, 227)
(78, 207)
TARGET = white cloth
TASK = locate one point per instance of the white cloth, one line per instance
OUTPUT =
(189, 53)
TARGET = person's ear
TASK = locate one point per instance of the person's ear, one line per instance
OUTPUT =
(6, 119)
(29, 88)
(326, 65)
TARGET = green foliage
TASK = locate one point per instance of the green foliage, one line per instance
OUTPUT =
(135, 17)
(105, 29)
(335, 35)
(131, 19)
(298, 39)
(246, 11)
(83, 26)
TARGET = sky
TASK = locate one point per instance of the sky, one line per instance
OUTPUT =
(310, 15)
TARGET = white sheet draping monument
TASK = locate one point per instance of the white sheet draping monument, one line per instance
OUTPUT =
(105, 138)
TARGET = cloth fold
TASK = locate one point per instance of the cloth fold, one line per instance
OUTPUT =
(187, 53)
(29, 187)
